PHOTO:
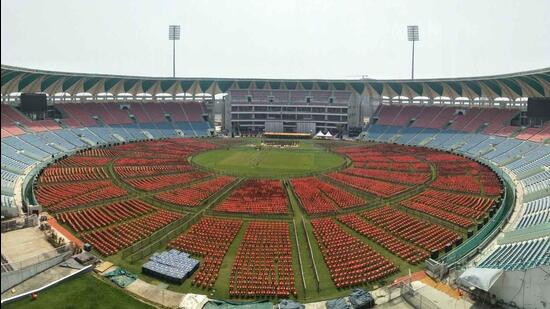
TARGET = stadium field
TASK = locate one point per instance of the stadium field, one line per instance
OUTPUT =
(257, 161)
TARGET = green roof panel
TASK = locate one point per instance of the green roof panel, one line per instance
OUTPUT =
(456, 86)
(224, 85)
(186, 85)
(110, 83)
(128, 84)
(323, 85)
(69, 82)
(90, 82)
(546, 77)
(378, 87)
(47, 82)
(396, 87)
(166, 84)
(533, 84)
(291, 85)
(147, 84)
(493, 86)
(243, 84)
(6, 77)
(307, 85)
(27, 80)
(437, 87)
(359, 87)
(275, 85)
(474, 86)
(512, 85)
(416, 87)
(205, 84)
(260, 84)
(339, 86)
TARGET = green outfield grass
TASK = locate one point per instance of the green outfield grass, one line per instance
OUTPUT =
(247, 161)
(82, 293)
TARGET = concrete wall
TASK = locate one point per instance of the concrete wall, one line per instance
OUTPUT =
(528, 289)
(12, 278)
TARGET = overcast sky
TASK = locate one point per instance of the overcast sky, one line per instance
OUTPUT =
(278, 39)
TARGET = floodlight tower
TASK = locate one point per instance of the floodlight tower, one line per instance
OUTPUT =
(412, 33)
(174, 35)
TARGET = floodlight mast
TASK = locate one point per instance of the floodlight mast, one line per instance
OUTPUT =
(412, 34)
(174, 35)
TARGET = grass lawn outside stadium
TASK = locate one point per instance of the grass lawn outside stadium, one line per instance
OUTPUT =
(244, 159)
(82, 292)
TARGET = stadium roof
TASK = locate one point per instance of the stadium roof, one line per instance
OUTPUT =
(513, 86)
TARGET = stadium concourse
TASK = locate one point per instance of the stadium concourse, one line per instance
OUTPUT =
(425, 185)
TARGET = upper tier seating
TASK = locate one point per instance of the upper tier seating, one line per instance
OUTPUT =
(534, 213)
(501, 118)
(82, 113)
(11, 117)
(519, 255)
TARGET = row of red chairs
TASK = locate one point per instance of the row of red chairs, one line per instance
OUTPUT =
(349, 260)
(373, 186)
(195, 195)
(428, 208)
(393, 176)
(477, 203)
(152, 170)
(101, 152)
(490, 183)
(110, 240)
(439, 156)
(317, 196)
(79, 160)
(147, 161)
(263, 264)
(256, 196)
(402, 249)
(109, 192)
(421, 233)
(461, 183)
(180, 147)
(162, 181)
(312, 199)
(209, 238)
(413, 167)
(62, 174)
(91, 218)
(445, 205)
(51, 194)
(459, 167)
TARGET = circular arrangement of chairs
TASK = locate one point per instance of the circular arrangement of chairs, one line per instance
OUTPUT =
(460, 194)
